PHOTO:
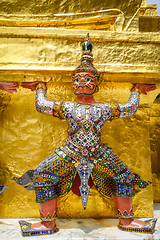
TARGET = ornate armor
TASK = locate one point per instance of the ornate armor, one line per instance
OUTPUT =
(83, 153)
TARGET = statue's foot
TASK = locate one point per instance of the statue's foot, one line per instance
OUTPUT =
(40, 228)
(138, 226)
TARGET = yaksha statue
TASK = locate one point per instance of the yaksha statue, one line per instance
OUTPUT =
(83, 158)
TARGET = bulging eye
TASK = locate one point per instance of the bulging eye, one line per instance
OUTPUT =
(77, 79)
(88, 79)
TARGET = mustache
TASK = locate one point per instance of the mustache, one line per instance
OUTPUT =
(82, 85)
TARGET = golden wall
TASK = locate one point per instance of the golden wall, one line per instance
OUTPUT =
(27, 137)
(48, 48)
(155, 148)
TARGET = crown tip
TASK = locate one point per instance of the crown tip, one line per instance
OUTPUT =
(87, 45)
(88, 36)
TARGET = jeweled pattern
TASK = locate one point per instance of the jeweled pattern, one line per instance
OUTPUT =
(56, 174)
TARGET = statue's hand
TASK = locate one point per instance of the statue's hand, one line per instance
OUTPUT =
(9, 87)
(145, 87)
(30, 85)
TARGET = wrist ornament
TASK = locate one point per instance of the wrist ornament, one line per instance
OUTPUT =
(136, 89)
(41, 86)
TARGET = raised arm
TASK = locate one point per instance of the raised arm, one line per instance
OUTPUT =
(129, 108)
(43, 105)
(46, 106)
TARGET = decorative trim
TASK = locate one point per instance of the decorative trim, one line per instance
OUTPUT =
(41, 86)
(2, 188)
(136, 89)
(28, 231)
(58, 109)
(115, 111)
(92, 23)
(48, 218)
(149, 227)
(84, 170)
(125, 214)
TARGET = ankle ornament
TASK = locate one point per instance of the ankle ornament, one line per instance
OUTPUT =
(48, 218)
(125, 214)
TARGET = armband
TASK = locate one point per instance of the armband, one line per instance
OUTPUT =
(115, 111)
(58, 109)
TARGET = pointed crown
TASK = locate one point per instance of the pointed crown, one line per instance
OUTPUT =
(86, 64)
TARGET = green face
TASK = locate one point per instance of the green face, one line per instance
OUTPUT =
(84, 83)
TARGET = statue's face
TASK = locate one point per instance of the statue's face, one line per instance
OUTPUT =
(84, 83)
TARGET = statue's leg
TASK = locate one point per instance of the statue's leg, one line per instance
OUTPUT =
(126, 221)
(46, 225)
(48, 215)
(52, 178)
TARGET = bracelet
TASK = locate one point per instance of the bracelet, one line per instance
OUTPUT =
(41, 86)
(136, 89)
